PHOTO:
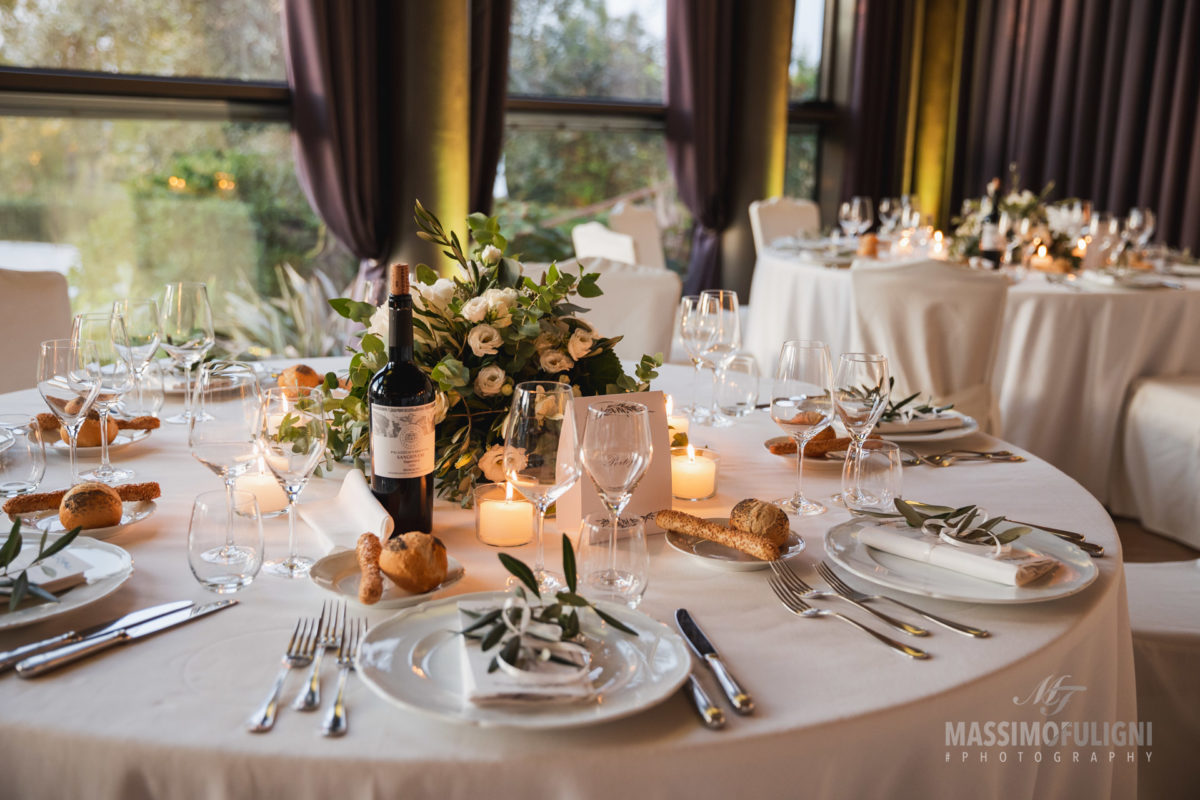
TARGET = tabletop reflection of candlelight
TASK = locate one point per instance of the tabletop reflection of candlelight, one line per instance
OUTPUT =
(693, 473)
(677, 423)
(500, 520)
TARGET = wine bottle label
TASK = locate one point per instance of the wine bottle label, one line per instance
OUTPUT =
(402, 440)
(989, 237)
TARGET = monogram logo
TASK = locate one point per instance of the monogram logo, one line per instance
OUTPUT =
(1051, 695)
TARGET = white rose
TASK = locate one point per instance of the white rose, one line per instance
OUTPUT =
(492, 463)
(484, 340)
(437, 296)
(491, 254)
(489, 381)
(580, 343)
(546, 405)
(555, 361)
(441, 404)
(379, 323)
(475, 309)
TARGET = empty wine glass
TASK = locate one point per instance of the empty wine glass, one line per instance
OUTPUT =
(694, 335)
(801, 404)
(68, 386)
(860, 393)
(721, 324)
(737, 387)
(292, 441)
(1139, 227)
(22, 455)
(910, 214)
(537, 460)
(187, 333)
(889, 213)
(142, 328)
(105, 331)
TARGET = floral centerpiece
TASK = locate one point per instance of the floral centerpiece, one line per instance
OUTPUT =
(478, 334)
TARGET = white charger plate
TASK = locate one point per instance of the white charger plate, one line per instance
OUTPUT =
(718, 556)
(122, 440)
(109, 567)
(339, 573)
(415, 661)
(131, 512)
(926, 580)
(969, 426)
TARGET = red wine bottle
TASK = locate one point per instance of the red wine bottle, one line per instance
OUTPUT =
(401, 409)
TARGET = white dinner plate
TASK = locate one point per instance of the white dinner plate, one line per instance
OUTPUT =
(821, 461)
(108, 567)
(969, 426)
(1186, 270)
(415, 660)
(916, 577)
(718, 556)
(339, 573)
(131, 512)
(122, 440)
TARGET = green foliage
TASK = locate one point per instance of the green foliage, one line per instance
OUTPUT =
(18, 587)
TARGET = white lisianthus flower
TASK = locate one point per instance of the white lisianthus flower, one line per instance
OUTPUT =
(544, 342)
(492, 462)
(475, 309)
(580, 343)
(380, 323)
(545, 405)
(441, 404)
(500, 303)
(435, 297)
(491, 254)
(490, 381)
(555, 361)
(484, 340)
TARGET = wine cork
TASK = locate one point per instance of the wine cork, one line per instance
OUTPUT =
(398, 279)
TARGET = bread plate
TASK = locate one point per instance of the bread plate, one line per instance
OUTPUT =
(131, 512)
(718, 556)
(122, 440)
(339, 573)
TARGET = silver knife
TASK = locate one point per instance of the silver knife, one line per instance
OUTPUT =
(699, 643)
(9, 659)
(710, 715)
(45, 662)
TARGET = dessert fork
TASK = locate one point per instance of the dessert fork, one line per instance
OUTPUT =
(299, 653)
(793, 581)
(309, 698)
(843, 589)
(792, 602)
(335, 721)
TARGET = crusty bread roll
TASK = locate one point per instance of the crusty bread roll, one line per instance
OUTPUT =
(749, 543)
(415, 561)
(90, 505)
(370, 587)
(89, 433)
(764, 519)
(868, 245)
(300, 376)
(47, 501)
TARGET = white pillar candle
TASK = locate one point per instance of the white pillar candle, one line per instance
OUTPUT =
(676, 423)
(693, 473)
(1043, 260)
(500, 520)
(266, 491)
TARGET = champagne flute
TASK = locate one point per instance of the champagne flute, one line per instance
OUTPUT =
(537, 460)
(67, 386)
(105, 332)
(223, 435)
(615, 451)
(694, 336)
(802, 404)
(723, 334)
(292, 439)
(142, 325)
(860, 393)
(187, 333)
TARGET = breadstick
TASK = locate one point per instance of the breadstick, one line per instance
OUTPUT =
(48, 501)
(47, 422)
(139, 424)
(370, 588)
(749, 543)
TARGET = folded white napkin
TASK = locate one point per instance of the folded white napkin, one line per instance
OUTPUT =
(1014, 568)
(340, 520)
(55, 574)
(550, 684)
(922, 423)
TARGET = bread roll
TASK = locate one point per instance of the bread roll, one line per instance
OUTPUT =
(89, 433)
(764, 519)
(299, 376)
(370, 586)
(415, 561)
(868, 245)
(90, 505)
(47, 501)
(749, 543)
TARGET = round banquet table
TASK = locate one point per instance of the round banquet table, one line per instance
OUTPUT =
(1067, 354)
(837, 714)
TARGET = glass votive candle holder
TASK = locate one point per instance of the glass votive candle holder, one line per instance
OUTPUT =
(502, 519)
(694, 472)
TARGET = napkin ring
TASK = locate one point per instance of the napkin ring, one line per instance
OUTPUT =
(574, 660)
(951, 536)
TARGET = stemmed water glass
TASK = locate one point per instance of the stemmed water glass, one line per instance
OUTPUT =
(223, 435)
(142, 327)
(860, 393)
(187, 333)
(109, 346)
(889, 213)
(1139, 227)
(67, 385)
(855, 215)
(695, 337)
(801, 404)
(721, 328)
(292, 441)
(615, 451)
(537, 460)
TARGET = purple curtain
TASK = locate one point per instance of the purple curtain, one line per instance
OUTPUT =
(489, 89)
(1100, 96)
(701, 62)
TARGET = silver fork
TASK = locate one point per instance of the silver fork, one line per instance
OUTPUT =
(842, 588)
(792, 602)
(335, 721)
(792, 580)
(299, 653)
(309, 698)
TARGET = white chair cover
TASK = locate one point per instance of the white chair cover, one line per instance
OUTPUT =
(34, 306)
(594, 239)
(638, 302)
(641, 223)
(939, 325)
(782, 216)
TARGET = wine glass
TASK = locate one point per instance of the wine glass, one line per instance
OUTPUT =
(863, 213)
(1139, 227)
(721, 326)
(215, 528)
(67, 385)
(889, 213)
(695, 337)
(538, 463)
(802, 404)
(292, 441)
(615, 451)
(223, 434)
(847, 220)
(737, 389)
(187, 333)
(910, 214)
(860, 393)
(105, 332)
(142, 326)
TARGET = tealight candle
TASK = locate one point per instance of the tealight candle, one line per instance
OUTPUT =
(693, 473)
(1042, 260)
(676, 423)
(500, 520)
(1080, 250)
(938, 247)
(265, 488)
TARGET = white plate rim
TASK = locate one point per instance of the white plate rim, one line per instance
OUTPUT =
(573, 715)
(970, 425)
(730, 565)
(837, 549)
(102, 587)
(31, 518)
(331, 562)
(116, 445)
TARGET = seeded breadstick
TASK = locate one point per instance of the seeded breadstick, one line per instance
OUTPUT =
(48, 501)
(138, 424)
(749, 543)
(370, 588)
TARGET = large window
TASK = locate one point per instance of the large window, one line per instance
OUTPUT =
(804, 92)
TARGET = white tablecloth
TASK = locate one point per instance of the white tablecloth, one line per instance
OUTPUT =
(838, 715)
(1067, 355)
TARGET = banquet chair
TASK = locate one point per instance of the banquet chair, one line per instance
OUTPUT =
(595, 239)
(939, 325)
(782, 216)
(641, 223)
(34, 306)
(638, 303)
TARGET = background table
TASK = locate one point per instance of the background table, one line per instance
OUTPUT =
(1067, 355)
(838, 715)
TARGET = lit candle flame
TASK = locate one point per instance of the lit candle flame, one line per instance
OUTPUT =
(508, 491)
(937, 236)
(1041, 251)
(691, 453)
(670, 404)
(1082, 245)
